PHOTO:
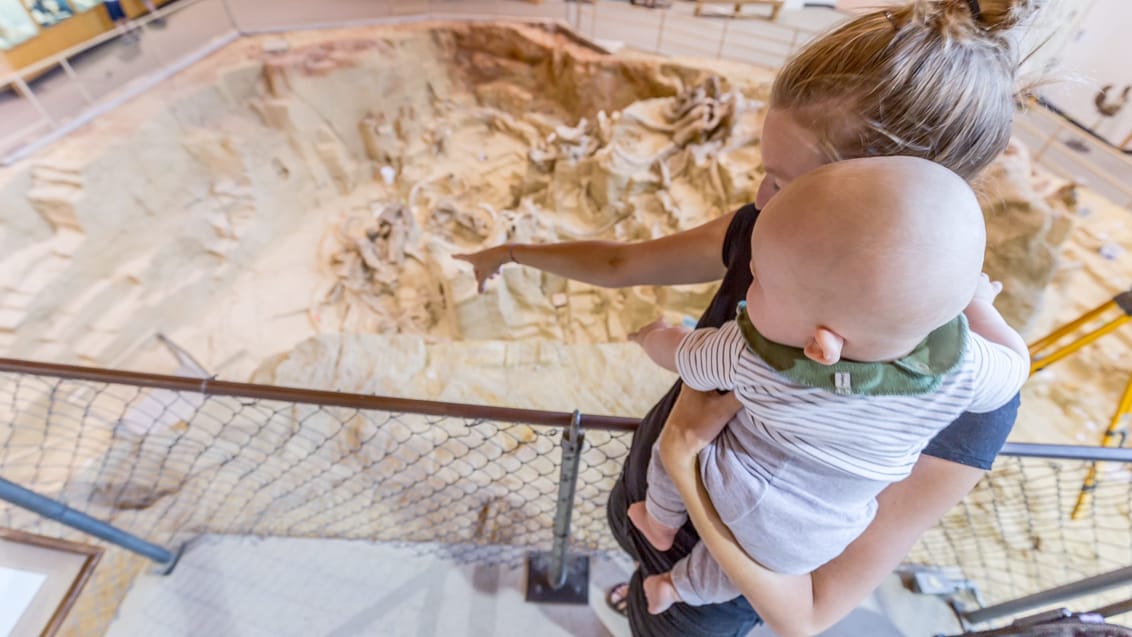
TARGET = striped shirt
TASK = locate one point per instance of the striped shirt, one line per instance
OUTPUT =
(871, 437)
(795, 474)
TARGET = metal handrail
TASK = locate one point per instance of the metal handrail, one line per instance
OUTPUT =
(55, 510)
(1066, 452)
(794, 31)
(21, 132)
(1072, 590)
(213, 387)
(1095, 169)
(1059, 120)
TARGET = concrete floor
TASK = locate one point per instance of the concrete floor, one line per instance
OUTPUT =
(244, 587)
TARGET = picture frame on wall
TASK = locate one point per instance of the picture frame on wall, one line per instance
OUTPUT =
(40, 579)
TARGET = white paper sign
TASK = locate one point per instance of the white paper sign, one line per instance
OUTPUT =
(17, 589)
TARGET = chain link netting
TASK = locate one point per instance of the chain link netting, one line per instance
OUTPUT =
(168, 466)
(1014, 535)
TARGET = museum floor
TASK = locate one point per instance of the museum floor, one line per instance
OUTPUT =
(245, 587)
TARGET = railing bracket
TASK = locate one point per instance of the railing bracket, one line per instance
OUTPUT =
(555, 576)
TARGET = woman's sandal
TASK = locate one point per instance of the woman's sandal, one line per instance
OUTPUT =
(617, 598)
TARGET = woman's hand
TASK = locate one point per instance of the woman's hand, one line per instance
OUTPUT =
(486, 263)
(691, 256)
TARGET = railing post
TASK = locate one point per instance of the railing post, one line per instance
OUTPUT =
(70, 71)
(231, 17)
(144, 29)
(722, 40)
(660, 30)
(557, 576)
(25, 91)
(54, 510)
(1045, 146)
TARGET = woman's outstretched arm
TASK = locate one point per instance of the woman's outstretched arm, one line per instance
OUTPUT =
(691, 256)
(808, 604)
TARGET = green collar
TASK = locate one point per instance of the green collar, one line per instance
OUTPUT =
(919, 372)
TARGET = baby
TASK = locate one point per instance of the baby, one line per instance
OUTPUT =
(868, 328)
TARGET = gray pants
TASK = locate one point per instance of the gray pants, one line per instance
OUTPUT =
(790, 513)
(734, 618)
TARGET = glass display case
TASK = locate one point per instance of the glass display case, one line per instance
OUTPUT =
(15, 24)
(49, 12)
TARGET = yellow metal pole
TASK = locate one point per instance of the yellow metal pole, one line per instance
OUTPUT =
(1115, 434)
(1037, 364)
(1113, 437)
(1037, 346)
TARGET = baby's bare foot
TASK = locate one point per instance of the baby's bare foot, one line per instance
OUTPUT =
(660, 593)
(657, 534)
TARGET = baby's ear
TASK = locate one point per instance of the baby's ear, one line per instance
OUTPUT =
(824, 347)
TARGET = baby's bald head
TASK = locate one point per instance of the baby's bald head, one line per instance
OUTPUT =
(880, 250)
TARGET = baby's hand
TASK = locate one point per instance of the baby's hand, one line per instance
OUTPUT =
(987, 290)
(638, 337)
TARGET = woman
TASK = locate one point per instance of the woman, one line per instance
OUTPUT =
(934, 79)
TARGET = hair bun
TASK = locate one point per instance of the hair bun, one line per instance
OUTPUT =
(976, 10)
(929, 78)
(994, 15)
(956, 18)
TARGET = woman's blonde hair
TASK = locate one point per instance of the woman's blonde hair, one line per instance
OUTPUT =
(933, 79)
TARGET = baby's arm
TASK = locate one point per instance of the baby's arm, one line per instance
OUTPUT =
(706, 358)
(1000, 356)
(985, 320)
(660, 341)
(999, 373)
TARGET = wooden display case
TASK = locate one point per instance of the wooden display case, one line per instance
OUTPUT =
(68, 33)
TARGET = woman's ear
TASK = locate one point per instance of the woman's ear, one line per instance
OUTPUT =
(824, 347)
